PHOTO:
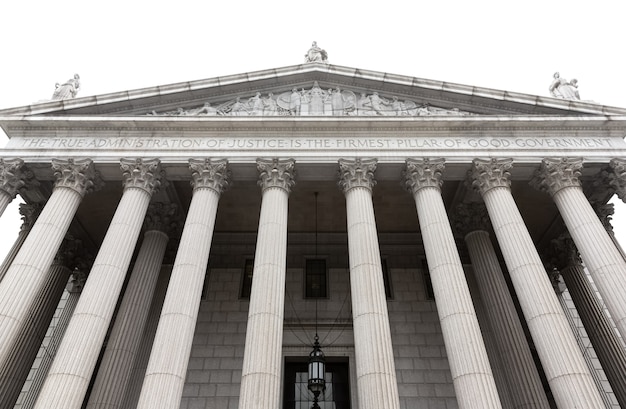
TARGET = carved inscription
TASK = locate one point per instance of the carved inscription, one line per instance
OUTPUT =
(316, 143)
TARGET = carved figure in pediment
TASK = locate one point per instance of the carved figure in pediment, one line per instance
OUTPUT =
(315, 54)
(270, 107)
(316, 98)
(204, 110)
(239, 108)
(362, 106)
(376, 102)
(68, 89)
(255, 105)
(561, 88)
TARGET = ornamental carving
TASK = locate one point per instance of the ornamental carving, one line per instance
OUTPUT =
(69, 252)
(77, 281)
(605, 212)
(162, 217)
(357, 173)
(315, 101)
(142, 174)
(30, 213)
(12, 176)
(470, 217)
(421, 173)
(617, 177)
(556, 174)
(77, 174)
(563, 253)
(208, 174)
(276, 173)
(488, 174)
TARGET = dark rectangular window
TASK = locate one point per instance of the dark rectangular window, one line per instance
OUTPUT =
(246, 280)
(296, 392)
(315, 278)
(386, 280)
(428, 285)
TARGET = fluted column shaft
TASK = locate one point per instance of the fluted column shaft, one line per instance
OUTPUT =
(165, 375)
(14, 373)
(473, 379)
(523, 379)
(29, 215)
(27, 274)
(71, 371)
(262, 360)
(600, 330)
(566, 371)
(124, 341)
(375, 367)
(74, 288)
(602, 258)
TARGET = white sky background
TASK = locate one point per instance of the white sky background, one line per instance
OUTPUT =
(122, 45)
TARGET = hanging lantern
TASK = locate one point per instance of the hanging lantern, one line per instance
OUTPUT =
(317, 372)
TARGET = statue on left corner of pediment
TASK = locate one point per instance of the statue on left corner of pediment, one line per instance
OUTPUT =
(316, 54)
(68, 89)
(561, 88)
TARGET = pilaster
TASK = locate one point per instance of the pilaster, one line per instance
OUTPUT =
(473, 379)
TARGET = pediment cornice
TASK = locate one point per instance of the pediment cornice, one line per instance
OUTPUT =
(439, 95)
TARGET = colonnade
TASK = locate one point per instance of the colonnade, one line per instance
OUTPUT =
(30, 280)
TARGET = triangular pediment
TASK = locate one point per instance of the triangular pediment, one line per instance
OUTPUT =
(313, 89)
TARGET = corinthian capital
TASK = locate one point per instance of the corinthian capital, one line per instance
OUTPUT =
(276, 173)
(563, 253)
(207, 174)
(617, 177)
(12, 176)
(77, 174)
(162, 217)
(556, 174)
(29, 213)
(470, 217)
(491, 173)
(142, 174)
(421, 173)
(357, 173)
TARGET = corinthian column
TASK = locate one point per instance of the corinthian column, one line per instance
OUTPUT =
(262, 359)
(28, 272)
(12, 178)
(74, 288)
(559, 177)
(473, 380)
(522, 375)
(14, 373)
(564, 366)
(29, 213)
(165, 375)
(606, 344)
(375, 368)
(119, 356)
(71, 371)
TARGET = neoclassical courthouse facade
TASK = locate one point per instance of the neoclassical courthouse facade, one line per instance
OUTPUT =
(201, 234)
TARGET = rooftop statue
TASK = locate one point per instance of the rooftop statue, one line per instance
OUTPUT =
(316, 54)
(67, 90)
(561, 88)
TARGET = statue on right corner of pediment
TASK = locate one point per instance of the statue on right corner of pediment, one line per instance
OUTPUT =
(561, 88)
(316, 54)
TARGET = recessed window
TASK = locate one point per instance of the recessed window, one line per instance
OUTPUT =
(315, 278)
(246, 280)
(296, 392)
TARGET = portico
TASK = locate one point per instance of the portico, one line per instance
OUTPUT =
(255, 192)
